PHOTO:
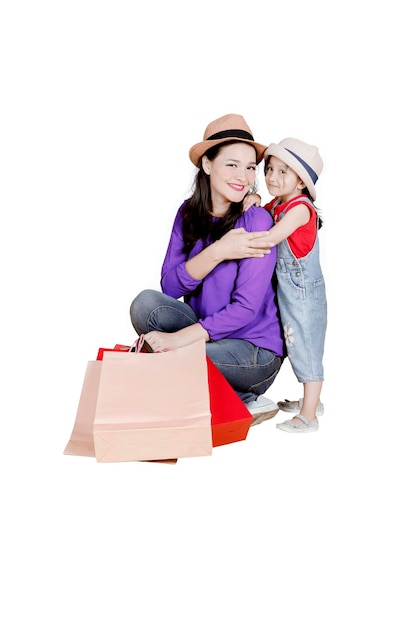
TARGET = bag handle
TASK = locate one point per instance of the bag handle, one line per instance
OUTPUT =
(140, 345)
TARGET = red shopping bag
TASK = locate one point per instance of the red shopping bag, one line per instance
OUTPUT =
(230, 419)
(119, 347)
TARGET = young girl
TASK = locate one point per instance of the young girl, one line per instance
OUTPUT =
(292, 168)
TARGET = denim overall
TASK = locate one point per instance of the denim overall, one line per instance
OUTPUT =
(303, 308)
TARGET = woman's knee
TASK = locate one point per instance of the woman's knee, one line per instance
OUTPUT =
(145, 302)
(261, 386)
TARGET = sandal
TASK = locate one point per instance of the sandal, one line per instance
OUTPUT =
(303, 426)
(293, 406)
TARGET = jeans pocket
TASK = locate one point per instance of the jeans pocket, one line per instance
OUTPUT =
(319, 291)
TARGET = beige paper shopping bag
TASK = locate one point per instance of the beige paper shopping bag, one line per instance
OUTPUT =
(153, 406)
(81, 442)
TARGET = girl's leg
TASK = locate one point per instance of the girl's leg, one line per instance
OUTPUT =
(295, 406)
(306, 419)
(248, 369)
(153, 310)
(311, 399)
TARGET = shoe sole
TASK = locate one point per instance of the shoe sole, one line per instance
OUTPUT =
(298, 431)
(263, 417)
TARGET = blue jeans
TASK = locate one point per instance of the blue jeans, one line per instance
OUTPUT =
(250, 370)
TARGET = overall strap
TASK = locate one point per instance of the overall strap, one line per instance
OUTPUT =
(303, 200)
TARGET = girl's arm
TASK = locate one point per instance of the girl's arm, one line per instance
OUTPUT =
(236, 244)
(298, 216)
(182, 275)
(240, 244)
(250, 200)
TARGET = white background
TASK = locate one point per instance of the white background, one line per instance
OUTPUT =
(100, 103)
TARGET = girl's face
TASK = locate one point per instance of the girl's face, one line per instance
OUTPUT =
(281, 180)
(232, 173)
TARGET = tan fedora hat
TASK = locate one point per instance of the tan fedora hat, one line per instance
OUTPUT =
(226, 128)
(301, 157)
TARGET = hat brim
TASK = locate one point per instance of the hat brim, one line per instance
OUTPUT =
(197, 151)
(281, 153)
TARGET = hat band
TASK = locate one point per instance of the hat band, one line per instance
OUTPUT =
(224, 134)
(306, 166)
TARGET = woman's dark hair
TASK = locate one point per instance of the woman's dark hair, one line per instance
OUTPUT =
(197, 221)
(304, 191)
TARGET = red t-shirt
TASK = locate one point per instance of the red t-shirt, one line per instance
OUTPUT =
(302, 239)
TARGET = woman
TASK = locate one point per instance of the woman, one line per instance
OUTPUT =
(227, 302)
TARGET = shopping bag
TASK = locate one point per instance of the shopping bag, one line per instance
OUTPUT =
(230, 419)
(119, 347)
(81, 442)
(153, 406)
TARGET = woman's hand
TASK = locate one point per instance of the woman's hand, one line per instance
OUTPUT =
(162, 342)
(159, 341)
(241, 244)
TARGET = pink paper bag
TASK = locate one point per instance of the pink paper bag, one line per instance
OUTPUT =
(153, 406)
(81, 442)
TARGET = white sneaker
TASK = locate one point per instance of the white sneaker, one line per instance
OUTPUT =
(262, 409)
(295, 406)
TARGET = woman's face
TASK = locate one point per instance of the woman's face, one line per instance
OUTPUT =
(232, 173)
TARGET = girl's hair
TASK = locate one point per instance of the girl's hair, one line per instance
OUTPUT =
(197, 221)
(305, 192)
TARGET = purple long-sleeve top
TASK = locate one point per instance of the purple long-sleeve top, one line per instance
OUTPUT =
(237, 299)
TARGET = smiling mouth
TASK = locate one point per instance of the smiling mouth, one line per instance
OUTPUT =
(237, 187)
